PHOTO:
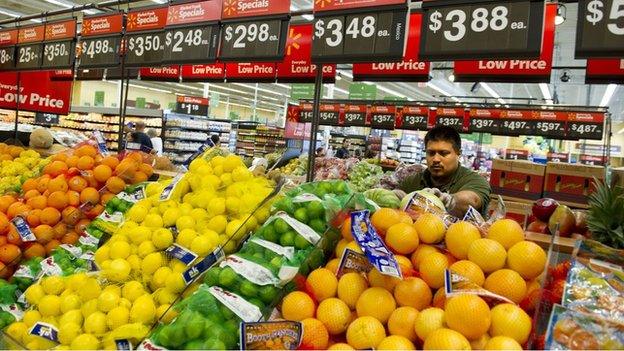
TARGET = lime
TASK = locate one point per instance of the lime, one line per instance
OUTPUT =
(248, 288)
(288, 238)
(276, 262)
(194, 325)
(271, 235)
(315, 209)
(211, 277)
(301, 215)
(258, 255)
(227, 277)
(281, 226)
(226, 313)
(301, 242)
(231, 327)
(194, 345)
(340, 188)
(213, 344)
(257, 302)
(318, 225)
(268, 294)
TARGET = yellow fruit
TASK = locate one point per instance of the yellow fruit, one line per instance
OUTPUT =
(479, 344)
(152, 262)
(119, 249)
(315, 336)
(117, 317)
(402, 238)
(185, 222)
(446, 339)
(175, 283)
(402, 322)
(143, 310)
(506, 283)
(488, 254)
(377, 303)
(131, 290)
(49, 305)
(430, 228)
(350, 287)
(527, 258)
(340, 247)
(341, 346)
(159, 279)
(102, 254)
(335, 315)
(153, 220)
(72, 316)
(146, 248)
(89, 307)
(119, 270)
(468, 314)
(185, 237)
(510, 320)
(432, 269)
(96, 323)
(53, 285)
(502, 343)
(34, 293)
(506, 231)
(85, 342)
(395, 342)
(218, 224)
(376, 279)
(428, 320)
(323, 284)
(170, 216)
(162, 238)
(201, 245)
(298, 306)
(333, 265)
(413, 292)
(469, 270)
(107, 301)
(137, 213)
(17, 330)
(365, 333)
(421, 251)
(68, 332)
(458, 238)
(31, 317)
(165, 314)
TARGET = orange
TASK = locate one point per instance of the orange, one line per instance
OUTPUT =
(395, 342)
(469, 270)
(70, 238)
(345, 230)
(4, 223)
(56, 168)
(72, 161)
(59, 230)
(376, 302)
(33, 218)
(13, 236)
(334, 314)
(18, 209)
(50, 216)
(488, 254)
(315, 335)
(147, 169)
(350, 287)
(413, 292)
(31, 193)
(38, 202)
(105, 197)
(526, 258)
(139, 177)
(375, 278)
(322, 284)
(77, 183)
(58, 200)
(402, 322)
(439, 298)
(405, 265)
(73, 198)
(90, 178)
(446, 339)
(34, 250)
(42, 184)
(9, 253)
(402, 238)
(502, 343)
(110, 161)
(511, 321)
(405, 218)
(432, 269)
(468, 314)
(126, 168)
(298, 306)
(71, 215)
(53, 244)
(44, 233)
(506, 283)
(459, 236)
(29, 184)
(506, 231)
(85, 162)
(384, 218)
(102, 173)
(58, 184)
(90, 195)
(421, 251)
(365, 333)
(60, 157)
(5, 202)
(95, 211)
(86, 150)
(430, 228)
(98, 159)
(115, 185)
(81, 225)
(135, 155)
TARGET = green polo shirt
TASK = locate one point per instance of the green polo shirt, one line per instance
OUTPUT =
(463, 179)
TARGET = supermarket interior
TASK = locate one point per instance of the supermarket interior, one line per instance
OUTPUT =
(311, 174)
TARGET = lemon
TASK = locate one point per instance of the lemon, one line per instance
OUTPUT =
(102, 254)
(232, 205)
(73, 316)
(137, 213)
(159, 279)
(117, 317)
(212, 236)
(201, 245)
(85, 342)
(170, 216)
(218, 224)
(34, 293)
(31, 317)
(213, 179)
(216, 206)
(125, 303)
(95, 323)
(177, 266)
(165, 314)
(152, 262)
(146, 248)
(131, 290)
(107, 301)
(217, 161)
(185, 237)
(241, 174)
(53, 285)
(233, 227)
(140, 234)
(70, 302)
(262, 214)
(226, 179)
(49, 305)
(119, 270)
(17, 330)
(230, 162)
(175, 282)
(185, 222)
(68, 332)
(134, 261)
(162, 238)
(153, 220)
(166, 296)
(197, 163)
(199, 213)
(143, 310)
(89, 307)
(119, 249)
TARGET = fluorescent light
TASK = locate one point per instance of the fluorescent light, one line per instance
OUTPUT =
(606, 98)
(346, 74)
(259, 89)
(492, 92)
(451, 78)
(160, 1)
(308, 17)
(283, 85)
(59, 3)
(341, 90)
(152, 89)
(546, 93)
(90, 12)
(438, 89)
(390, 91)
(9, 13)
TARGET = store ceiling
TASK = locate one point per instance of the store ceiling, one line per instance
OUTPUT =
(273, 97)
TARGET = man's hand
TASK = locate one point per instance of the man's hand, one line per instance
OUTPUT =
(447, 199)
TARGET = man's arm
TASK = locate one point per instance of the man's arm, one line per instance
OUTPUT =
(463, 200)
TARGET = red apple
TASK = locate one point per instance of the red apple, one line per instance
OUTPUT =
(538, 226)
(544, 208)
(564, 219)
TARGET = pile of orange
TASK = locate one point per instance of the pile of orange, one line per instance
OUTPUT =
(58, 205)
(9, 152)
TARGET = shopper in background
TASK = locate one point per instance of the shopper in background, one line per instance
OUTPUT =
(457, 186)
(343, 152)
(320, 152)
(214, 141)
(156, 141)
(139, 136)
(357, 153)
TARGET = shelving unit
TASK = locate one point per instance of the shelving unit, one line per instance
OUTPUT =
(358, 142)
(411, 148)
(246, 138)
(268, 140)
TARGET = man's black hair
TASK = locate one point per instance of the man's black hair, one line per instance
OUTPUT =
(444, 133)
(215, 139)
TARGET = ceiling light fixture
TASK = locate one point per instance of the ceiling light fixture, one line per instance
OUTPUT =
(341, 90)
(308, 17)
(451, 78)
(492, 92)
(606, 98)
(561, 14)
(546, 93)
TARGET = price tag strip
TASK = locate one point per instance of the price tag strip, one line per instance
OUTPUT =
(191, 105)
(450, 117)
(100, 43)
(260, 40)
(413, 118)
(383, 117)
(329, 114)
(29, 50)
(305, 113)
(8, 39)
(355, 115)
(145, 38)
(599, 29)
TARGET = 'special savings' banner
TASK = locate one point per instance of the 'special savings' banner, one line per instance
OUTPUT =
(37, 92)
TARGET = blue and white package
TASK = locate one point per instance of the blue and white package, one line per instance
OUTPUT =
(374, 248)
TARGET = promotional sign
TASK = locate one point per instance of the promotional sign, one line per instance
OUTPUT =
(60, 44)
(329, 114)
(192, 32)
(355, 115)
(383, 117)
(515, 71)
(558, 157)
(38, 93)
(333, 5)
(450, 117)
(100, 41)
(8, 39)
(305, 112)
(145, 40)
(362, 91)
(297, 65)
(550, 124)
(516, 122)
(245, 71)
(191, 105)
(484, 120)
(481, 29)
(29, 48)
(516, 154)
(409, 69)
(165, 73)
(413, 118)
(604, 71)
(368, 34)
(592, 160)
(599, 29)
(585, 125)
(46, 118)
(248, 37)
(203, 73)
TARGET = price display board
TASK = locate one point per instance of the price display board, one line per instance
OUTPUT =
(100, 41)
(190, 105)
(450, 117)
(60, 45)
(46, 118)
(557, 157)
(305, 113)
(329, 114)
(484, 121)
(8, 39)
(383, 117)
(145, 40)
(192, 32)
(517, 122)
(355, 115)
(414, 118)
(515, 154)
(481, 29)
(584, 125)
(600, 29)
(360, 37)
(29, 50)
(592, 160)
(260, 40)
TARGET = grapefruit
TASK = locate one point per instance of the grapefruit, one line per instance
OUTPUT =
(315, 336)
(506, 283)
(334, 314)
(458, 238)
(468, 314)
(506, 231)
(377, 303)
(322, 283)
(298, 306)
(488, 254)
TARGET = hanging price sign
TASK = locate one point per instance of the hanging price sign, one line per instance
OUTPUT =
(414, 118)
(374, 35)
(481, 29)
(517, 122)
(145, 41)
(59, 48)
(305, 113)
(8, 39)
(450, 117)
(190, 105)
(355, 115)
(592, 160)
(600, 29)
(100, 41)
(383, 117)
(515, 154)
(46, 118)
(554, 129)
(484, 121)
(583, 125)
(329, 114)
(29, 50)
(557, 157)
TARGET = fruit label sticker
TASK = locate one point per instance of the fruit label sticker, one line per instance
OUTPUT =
(123, 344)
(23, 271)
(277, 335)
(101, 142)
(181, 254)
(372, 245)
(302, 229)
(245, 310)
(88, 239)
(195, 271)
(166, 193)
(116, 217)
(148, 344)
(23, 229)
(288, 252)
(45, 330)
(50, 268)
(13, 309)
(455, 284)
(352, 261)
(473, 216)
(252, 271)
(305, 198)
(74, 251)
(195, 155)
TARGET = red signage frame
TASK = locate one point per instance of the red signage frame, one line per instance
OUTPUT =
(163, 73)
(193, 100)
(60, 30)
(102, 25)
(38, 92)
(337, 5)
(604, 71)
(195, 12)
(254, 8)
(8, 37)
(145, 19)
(254, 71)
(31, 34)
(297, 65)
(203, 73)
